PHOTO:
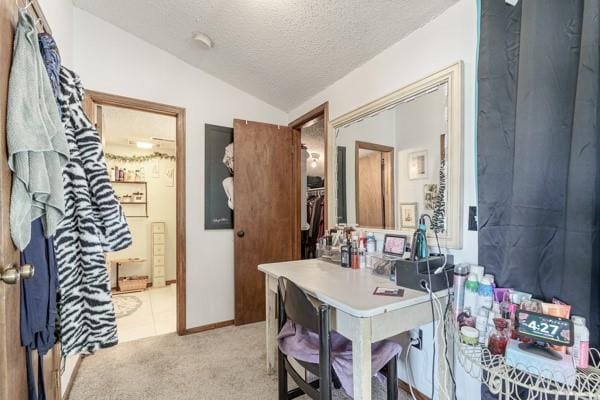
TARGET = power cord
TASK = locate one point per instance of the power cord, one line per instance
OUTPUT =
(434, 302)
(409, 368)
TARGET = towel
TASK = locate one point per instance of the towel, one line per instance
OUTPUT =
(302, 344)
(36, 141)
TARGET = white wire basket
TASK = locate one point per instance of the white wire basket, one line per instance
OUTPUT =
(524, 382)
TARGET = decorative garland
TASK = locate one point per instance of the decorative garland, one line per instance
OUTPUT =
(162, 156)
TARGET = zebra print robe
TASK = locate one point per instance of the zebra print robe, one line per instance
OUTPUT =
(94, 223)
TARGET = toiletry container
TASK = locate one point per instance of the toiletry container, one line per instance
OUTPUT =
(471, 288)
(481, 323)
(461, 272)
(469, 335)
(345, 255)
(581, 342)
(478, 270)
(485, 293)
(499, 338)
(371, 243)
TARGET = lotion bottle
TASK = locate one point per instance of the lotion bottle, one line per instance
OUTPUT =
(581, 343)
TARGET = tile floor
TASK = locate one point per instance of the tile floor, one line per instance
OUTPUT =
(155, 316)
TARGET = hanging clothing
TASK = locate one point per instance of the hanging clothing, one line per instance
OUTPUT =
(93, 224)
(51, 58)
(38, 304)
(36, 143)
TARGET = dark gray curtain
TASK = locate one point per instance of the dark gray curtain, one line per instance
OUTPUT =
(538, 150)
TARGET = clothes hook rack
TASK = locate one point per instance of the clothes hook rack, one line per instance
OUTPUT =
(35, 10)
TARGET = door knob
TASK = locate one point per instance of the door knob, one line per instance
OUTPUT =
(12, 274)
(27, 271)
(241, 233)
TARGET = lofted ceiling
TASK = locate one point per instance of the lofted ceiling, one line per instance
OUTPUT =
(281, 51)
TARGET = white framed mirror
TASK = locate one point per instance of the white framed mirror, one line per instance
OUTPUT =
(399, 157)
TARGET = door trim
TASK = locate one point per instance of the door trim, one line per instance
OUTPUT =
(93, 97)
(297, 125)
(383, 149)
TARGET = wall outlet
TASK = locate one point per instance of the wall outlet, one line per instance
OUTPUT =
(416, 335)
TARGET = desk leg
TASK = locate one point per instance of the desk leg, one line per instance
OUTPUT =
(361, 358)
(271, 326)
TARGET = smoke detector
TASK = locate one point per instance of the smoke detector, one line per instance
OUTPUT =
(204, 40)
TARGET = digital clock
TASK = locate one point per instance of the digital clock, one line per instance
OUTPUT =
(545, 328)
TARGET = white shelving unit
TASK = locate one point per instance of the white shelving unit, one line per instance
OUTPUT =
(159, 244)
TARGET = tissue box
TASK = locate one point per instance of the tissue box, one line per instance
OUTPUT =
(562, 371)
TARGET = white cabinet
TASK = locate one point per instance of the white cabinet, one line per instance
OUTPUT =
(158, 254)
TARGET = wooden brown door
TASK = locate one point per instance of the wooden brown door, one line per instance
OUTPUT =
(265, 209)
(13, 376)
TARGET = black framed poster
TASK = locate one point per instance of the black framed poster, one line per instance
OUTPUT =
(218, 177)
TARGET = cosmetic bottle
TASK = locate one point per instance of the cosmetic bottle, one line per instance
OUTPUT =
(345, 255)
(371, 243)
(471, 287)
(481, 323)
(581, 342)
(498, 339)
(354, 256)
(363, 256)
(485, 293)
(461, 271)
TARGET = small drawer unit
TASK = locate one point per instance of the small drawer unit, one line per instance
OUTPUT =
(159, 239)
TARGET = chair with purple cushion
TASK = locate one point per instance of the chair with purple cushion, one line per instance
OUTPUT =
(295, 306)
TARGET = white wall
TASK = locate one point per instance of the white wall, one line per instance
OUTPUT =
(59, 14)
(113, 61)
(419, 124)
(447, 39)
(161, 198)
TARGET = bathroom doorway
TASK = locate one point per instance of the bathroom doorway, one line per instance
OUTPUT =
(144, 149)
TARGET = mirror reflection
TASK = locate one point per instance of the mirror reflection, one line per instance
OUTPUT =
(391, 165)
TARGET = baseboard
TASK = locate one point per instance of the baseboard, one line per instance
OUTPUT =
(72, 378)
(405, 386)
(208, 327)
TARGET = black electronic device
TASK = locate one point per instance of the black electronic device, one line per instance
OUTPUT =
(417, 275)
(544, 329)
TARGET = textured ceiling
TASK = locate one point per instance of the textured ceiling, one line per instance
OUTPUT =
(281, 51)
(121, 126)
(313, 138)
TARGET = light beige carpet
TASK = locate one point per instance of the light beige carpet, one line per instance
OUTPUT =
(224, 364)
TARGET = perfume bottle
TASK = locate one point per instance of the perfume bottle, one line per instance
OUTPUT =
(499, 338)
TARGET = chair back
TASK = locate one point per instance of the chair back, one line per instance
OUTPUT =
(297, 306)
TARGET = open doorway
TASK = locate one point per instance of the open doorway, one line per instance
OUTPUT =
(144, 149)
(311, 130)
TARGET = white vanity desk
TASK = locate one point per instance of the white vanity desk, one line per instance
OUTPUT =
(357, 313)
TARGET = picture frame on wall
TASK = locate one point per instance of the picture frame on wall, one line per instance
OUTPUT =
(418, 165)
(218, 177)
(408, 215)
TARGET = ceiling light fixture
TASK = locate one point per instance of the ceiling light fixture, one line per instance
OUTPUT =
(315, 157)
(144, 145)
(204, 40)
